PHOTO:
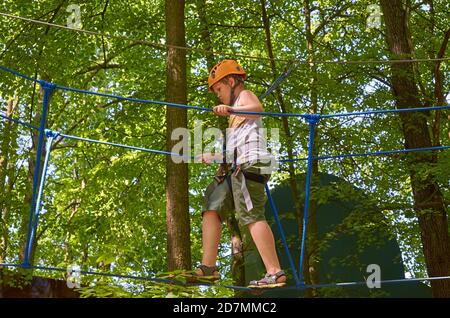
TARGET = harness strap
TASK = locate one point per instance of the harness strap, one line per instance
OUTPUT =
(255, 177)
(224, 147)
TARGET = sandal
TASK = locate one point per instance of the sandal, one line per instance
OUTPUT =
(269, 281)
(208, 273)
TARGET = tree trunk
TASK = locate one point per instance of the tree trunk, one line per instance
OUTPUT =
(284, 120)
(8, 148)
(428, 201)
(440, 99)
(177, 205)
(311, 266)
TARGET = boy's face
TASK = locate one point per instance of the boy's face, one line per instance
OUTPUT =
(222, 89)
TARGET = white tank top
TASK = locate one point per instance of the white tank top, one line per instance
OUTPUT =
(249, 138)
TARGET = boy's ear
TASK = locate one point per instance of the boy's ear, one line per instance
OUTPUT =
(231, 81)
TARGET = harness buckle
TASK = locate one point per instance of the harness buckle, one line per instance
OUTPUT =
(236, 170)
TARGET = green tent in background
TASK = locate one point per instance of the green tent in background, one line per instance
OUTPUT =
(342, 259)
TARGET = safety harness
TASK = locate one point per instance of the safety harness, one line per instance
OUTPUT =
(226, 170)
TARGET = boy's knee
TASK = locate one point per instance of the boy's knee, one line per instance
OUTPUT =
(257, 223)
(211, 214)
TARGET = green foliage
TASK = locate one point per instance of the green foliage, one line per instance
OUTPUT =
(104, 207)
(180, 288)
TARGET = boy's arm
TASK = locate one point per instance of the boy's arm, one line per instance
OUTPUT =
(248, 101)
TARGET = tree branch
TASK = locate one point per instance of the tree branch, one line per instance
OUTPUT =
(98, 67)
(324, 23)
(439, 89)
(237, 26)
(443, 48)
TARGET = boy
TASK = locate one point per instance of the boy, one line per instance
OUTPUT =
(240, 188)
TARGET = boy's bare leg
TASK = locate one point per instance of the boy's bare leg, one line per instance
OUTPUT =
(265, 243)
(211, 230)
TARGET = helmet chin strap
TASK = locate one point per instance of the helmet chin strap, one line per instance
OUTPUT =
(232, 96)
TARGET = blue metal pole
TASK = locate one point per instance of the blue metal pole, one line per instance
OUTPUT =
(283, 237)
(48, 89)
(51, 135)
(312, 120)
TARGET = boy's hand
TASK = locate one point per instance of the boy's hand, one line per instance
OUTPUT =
(222, 110)
(209, 158)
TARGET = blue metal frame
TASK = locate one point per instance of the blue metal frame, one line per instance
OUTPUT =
(48, 89)
(283, 237)
(312, 119)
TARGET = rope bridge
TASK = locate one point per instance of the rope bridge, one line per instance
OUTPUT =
(311, 119)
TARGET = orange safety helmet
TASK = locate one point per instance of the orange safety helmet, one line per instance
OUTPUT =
(223, 69)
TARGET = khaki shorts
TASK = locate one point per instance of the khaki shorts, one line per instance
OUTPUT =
(220, 198)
